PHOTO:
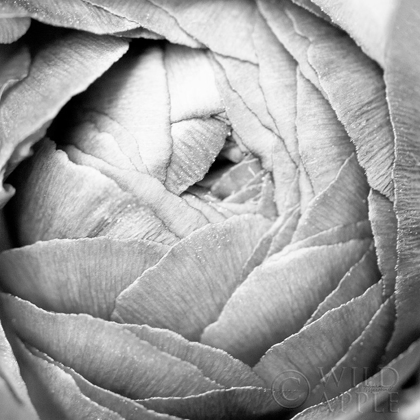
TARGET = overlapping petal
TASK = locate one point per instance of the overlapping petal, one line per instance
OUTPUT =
(236, 189)
(29, 106)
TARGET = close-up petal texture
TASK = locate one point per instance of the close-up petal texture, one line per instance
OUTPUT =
(209, 209)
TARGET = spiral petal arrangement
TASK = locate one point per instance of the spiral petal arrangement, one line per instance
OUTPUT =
(220, 201)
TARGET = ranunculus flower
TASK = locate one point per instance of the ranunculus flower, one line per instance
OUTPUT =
(220, 217)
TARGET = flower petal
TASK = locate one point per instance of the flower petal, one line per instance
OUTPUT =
(198, 128)
(236, 177)
(355, 282)
(315, 119)
(244, 403)
(134, 93)
(384, 226)
(385, 381)
(187, 297)
(278, 297)
(274, 240)
(77, 276)
(327, 338)
(368, 23)
(203, 207)
(255, 197)
(138, 33)
(343, 202)
(246, 193)
(341, 70)
(277, 78)
(292, 183)
(159, 107)
(77, 59)
(274, 12)
(403, 81)
(11, 29)
(192, 86)
(14, 400)
(231, 21)
(128, 409)
(243, 78)
(334, 235)
(196, 143)
(77, 14)
(15, 61)
(360, 360)
(116, 213)
(285, 233)
(214, 363)
(354, 85)
(105, 353)
(147, 15)
(54, 392)
(147, 191)
(255, 137)
(312, 7)
(239, 83)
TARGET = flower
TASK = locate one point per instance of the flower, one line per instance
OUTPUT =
(217, 220)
